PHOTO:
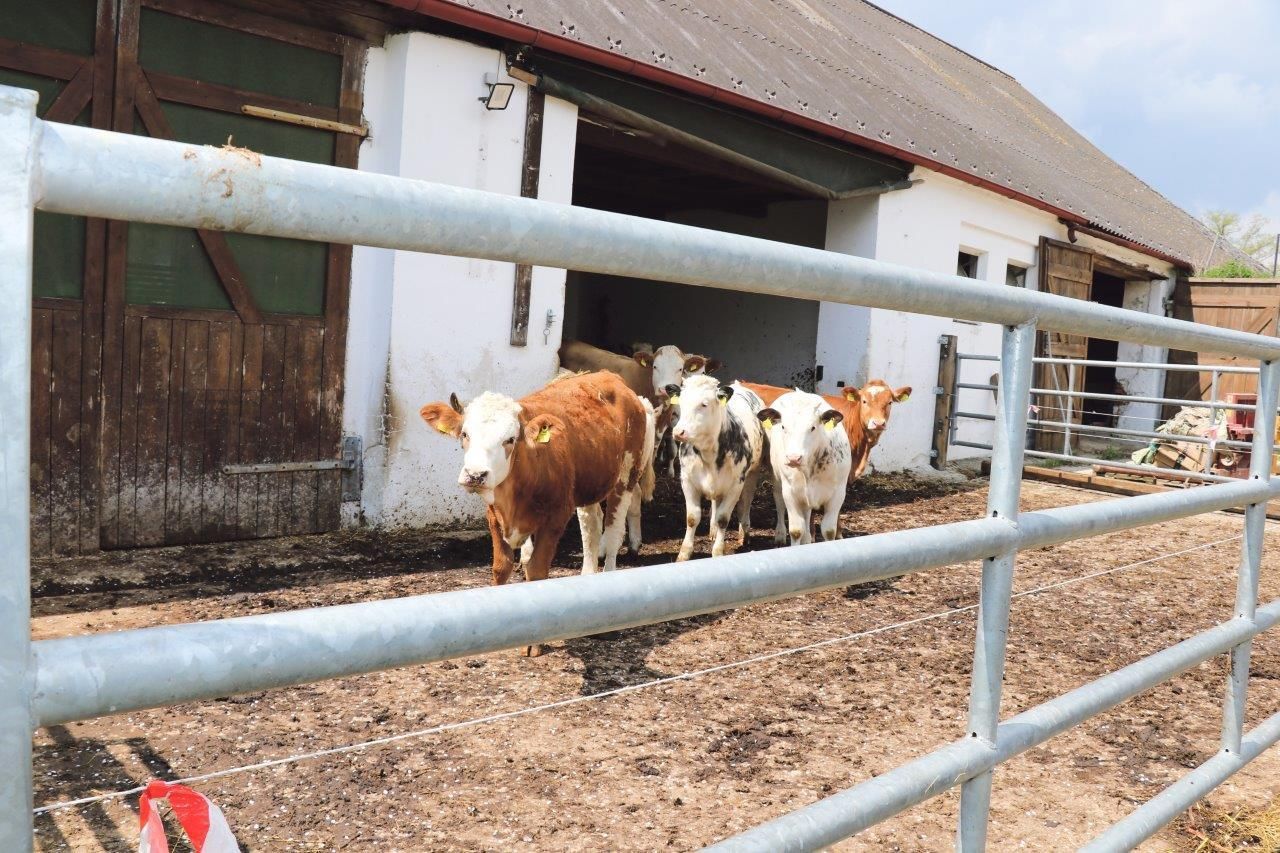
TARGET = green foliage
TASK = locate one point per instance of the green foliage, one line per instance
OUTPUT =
(1247, 235)
(1232, 269)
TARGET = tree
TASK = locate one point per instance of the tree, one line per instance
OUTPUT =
(1248, 235)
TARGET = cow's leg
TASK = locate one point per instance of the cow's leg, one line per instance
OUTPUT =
(780, 506)
(589, 518)
(692, 518)
(633, 523)
(830, 524)
(526, 553)
(503, 558)
(616, 510)
(545, 541)
(799, 516)
(721, 515)
(744, 507)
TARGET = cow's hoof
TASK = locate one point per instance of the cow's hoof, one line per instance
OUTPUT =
(534, 651)
(682, 557)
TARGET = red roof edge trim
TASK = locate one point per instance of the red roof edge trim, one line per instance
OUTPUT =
(493, 25)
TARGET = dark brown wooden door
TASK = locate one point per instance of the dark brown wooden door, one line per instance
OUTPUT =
(161, 355)
(1065, 271)
(224, 349)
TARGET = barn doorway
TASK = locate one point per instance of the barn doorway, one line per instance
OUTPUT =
(764, 338)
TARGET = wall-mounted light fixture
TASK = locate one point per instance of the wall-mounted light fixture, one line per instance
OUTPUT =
(499, 94)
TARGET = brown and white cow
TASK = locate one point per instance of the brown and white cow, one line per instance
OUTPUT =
(648, 372)
(572, 445)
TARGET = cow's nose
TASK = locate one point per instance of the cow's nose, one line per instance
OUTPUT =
(793, 461)
(680, 435)
(470, 477)
(875, 425)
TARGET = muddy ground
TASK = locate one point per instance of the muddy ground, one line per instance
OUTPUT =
(681, 763)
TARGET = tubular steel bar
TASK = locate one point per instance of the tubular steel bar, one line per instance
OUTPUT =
(1018, 345)
(840, 815)
(1146, 820)
(78, 678)
(1255, 522)
(1141, 433)
(1186, 368)
(17, 161)
(1149, 470)
(97, 173)
(1133, 398)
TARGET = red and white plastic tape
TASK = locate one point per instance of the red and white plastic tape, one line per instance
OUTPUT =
(200, 819)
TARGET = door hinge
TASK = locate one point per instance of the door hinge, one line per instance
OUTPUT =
(349, 464)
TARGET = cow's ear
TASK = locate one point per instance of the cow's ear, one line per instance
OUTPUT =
(851, 394)
(453, 402)
(724, 394)
(769, 417)
(902, 394)
(442, 418)
(830, 418)
(714, 365)
(695, 363)
(543, 429)
(644, 358)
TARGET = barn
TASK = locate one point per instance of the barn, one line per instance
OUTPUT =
(192, 386)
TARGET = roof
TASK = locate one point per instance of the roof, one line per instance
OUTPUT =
(848, 69)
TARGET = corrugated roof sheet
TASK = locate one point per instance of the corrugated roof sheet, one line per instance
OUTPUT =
(848, 68)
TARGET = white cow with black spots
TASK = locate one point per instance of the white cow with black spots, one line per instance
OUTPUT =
(721, 445)
(810, 456)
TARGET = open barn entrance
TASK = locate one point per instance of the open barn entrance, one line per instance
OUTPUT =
(764, 338)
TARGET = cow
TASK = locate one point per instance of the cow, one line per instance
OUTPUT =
(721, 443)
(647, 371)
(810, 456)
(865, 410)
(577, 443)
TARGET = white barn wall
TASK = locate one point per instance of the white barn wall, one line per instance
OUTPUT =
(429, 325)
(843, 330)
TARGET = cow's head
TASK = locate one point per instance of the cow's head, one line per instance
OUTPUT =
(801, 426)
(490, 428)
(670, 366)
(874, 400)
(700, 403)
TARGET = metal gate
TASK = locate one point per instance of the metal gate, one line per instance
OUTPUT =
(88, 172)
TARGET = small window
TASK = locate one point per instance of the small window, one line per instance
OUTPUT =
(967, 265)
(1015, 276)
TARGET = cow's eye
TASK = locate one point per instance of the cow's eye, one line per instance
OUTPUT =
(812, 428)
(510, 441)
(464, 436)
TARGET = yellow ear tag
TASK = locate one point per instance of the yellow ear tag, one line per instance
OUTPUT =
(442, 428)
(544, 435)
(904, 398)
(724, 401)
(768, 424)
(829, 425)
(674, 400)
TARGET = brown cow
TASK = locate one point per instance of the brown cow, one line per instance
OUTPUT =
(577, 443)
(865, 410)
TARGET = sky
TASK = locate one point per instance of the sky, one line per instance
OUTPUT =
(1183, 93)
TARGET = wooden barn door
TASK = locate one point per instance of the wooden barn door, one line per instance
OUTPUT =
(1247, 305)
(224, 349)
(63, 49)
(1066, 271)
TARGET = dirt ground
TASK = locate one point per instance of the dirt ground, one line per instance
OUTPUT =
(678, 764)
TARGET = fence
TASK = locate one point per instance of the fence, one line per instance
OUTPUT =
(1058, 421)
(68, 169)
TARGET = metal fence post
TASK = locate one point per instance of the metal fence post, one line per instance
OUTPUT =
(1255, 525)
(17, 158)
(1069, 407)
(1016, 353)
(1212, 452)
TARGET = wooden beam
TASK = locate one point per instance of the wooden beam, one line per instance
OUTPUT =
(250, 22)
(228, 99)
(67, 107)
(215, 243)
(529, 179)
(944, 402)
(42, 61)
(1111, 485)
(305, 121)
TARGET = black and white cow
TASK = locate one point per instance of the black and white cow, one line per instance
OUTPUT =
(721, 444)
(810, 456)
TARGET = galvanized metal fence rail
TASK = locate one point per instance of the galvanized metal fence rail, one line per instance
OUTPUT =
(1058, 419)
(68, 169)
